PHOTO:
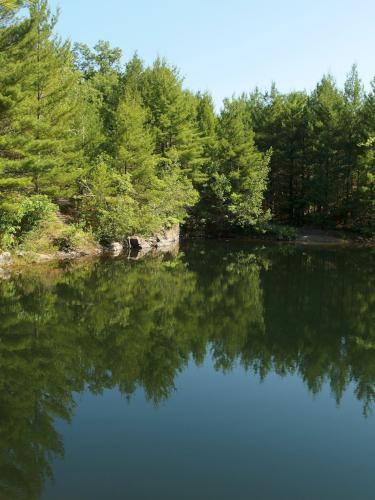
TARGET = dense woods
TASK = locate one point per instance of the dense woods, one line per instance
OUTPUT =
(123, 148)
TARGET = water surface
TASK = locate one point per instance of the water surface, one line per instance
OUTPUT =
(224, 371)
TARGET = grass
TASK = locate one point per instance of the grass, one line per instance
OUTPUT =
(55, 235)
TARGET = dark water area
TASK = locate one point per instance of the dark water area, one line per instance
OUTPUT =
(222, 371)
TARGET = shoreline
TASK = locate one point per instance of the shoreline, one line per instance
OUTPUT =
(136, 247)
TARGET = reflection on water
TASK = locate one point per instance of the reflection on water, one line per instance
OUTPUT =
(136, 324)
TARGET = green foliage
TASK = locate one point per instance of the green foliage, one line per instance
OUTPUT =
(233, 194)
(172, 118)
(113, 207)
(168, 155)
(175, 195)
(54, 235)
(101, 71)
(108, 205)
(33, 224)
(282, 233)
(321, 169)
(39, 93)
(18, 219)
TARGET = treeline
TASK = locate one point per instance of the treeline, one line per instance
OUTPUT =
(126, 148)
(323, 143)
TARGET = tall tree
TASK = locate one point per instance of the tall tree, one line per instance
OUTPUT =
(239, 181)
(102, 70)
(38, 139)
(172, 118)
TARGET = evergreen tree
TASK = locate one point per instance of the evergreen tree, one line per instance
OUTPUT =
(207, 126)
(172, 118)
(365, 213)
(102, 70)
(353, 135)
(134, 153)
(240, 180)
(38, 140)
(280, 122)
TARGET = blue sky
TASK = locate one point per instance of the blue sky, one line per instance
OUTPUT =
(230, 46)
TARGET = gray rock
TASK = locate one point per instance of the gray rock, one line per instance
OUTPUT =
(139, 253)
(5, 259)
(166, 237)
(141, 243)
(41, 257)
(4, 274)
(115, 248)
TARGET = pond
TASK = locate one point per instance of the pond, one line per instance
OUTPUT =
(224, 370)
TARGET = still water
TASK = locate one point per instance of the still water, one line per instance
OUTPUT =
(222, 371)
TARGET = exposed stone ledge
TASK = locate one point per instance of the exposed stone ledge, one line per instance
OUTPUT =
(5, 259)
(166, 241)
(138, 254)
(75, 254)
(166, 237)
(114, 248)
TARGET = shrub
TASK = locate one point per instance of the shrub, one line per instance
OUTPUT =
(107, 204)
(282, 233)
(20, 217)
(54, 235)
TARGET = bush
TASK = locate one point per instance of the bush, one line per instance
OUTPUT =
(282, 233)
(113, 206)
(54, 235)
(20, 217)
(107, 204)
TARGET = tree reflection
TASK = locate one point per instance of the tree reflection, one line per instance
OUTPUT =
(130, 325)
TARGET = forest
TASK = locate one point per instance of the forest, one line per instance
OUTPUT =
(93, 149)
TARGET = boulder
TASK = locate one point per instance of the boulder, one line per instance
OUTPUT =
(166, 237)
(5, 259)
(5, 274)
(38, 258)
(140, 243)
(115, 248)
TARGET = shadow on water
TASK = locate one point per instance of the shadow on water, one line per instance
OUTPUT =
(130, 324)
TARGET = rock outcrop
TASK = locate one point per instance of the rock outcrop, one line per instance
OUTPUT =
(5, 259)
(165, 241)
(115, 249)
(166, 237)
(141, 243)
(5, 274)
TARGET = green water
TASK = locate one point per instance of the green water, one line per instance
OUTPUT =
(226, 371)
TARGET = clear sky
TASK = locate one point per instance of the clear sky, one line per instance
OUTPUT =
(230, 46)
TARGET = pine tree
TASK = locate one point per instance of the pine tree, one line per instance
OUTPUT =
(102, 70)
(133, 142)
(134, 153)
(133, 75)
(353, 137)
(365, 194)
(7, 9)
(326, 106)
(172, 118)
(266, 113)
(239, 183)
(38, 141)
(207, 125)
